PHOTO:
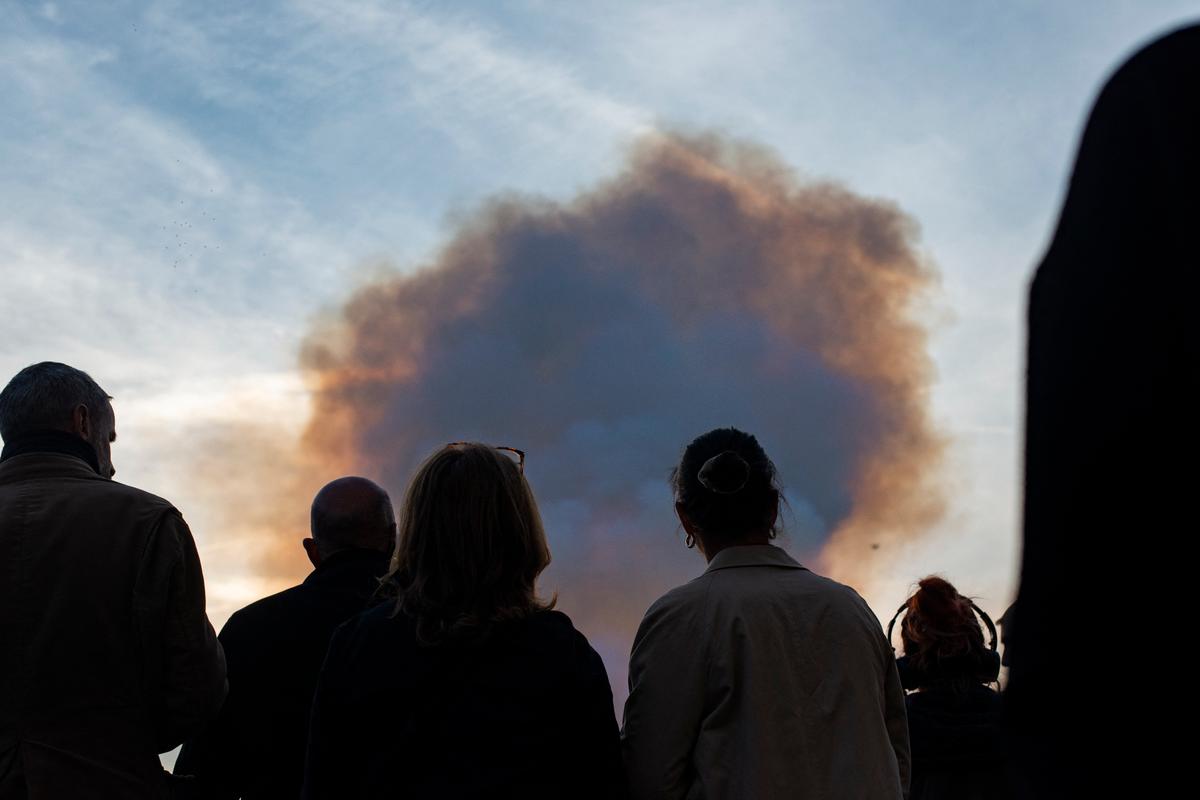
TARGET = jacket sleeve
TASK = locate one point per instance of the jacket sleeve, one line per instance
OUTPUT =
(667, 677)
(896, 718)
(184, 667)
(596, 738)
(217, 759)
(325, 761)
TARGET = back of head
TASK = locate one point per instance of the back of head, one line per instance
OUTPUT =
(942, 638)
(470, 544)
(43, 397)
(727, 486)
(352, 513)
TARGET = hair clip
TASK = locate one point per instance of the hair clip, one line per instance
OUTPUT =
(722, 463)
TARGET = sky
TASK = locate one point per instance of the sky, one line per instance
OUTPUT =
(188, 189)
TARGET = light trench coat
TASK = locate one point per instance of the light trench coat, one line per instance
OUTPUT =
(761, 680)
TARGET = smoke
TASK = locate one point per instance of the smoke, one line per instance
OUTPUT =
(705, 285)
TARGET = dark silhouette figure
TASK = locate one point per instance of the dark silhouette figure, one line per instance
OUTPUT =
(954, 718)
(106, 656)
(464, 685)
(1111, 449)
(759, 678)
(275, 648)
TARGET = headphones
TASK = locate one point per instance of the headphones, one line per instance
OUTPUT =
(983, 667)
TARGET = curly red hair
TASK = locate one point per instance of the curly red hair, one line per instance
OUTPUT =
(939, 624)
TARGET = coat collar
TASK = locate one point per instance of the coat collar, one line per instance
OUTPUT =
(352, 564)
(752, 555)
(48, 440)
(35, 466)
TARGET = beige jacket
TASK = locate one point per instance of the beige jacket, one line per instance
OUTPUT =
(761, 680)
(106, 655)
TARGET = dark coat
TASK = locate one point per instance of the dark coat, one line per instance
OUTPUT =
(957, 740)
(275, 648)
(106, 656)
(525, 713)
(1112, 435)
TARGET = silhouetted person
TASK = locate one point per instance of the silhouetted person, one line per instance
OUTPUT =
(275, 648)
(106, 656)
(1111, 450)
(759, 679)
(954, 716)
(466, 685)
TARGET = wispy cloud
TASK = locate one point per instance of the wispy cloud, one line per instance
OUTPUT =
(464, 78)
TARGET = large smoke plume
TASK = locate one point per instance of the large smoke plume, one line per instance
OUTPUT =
(706, 285)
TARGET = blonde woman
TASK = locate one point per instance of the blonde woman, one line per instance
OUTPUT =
(466, 684)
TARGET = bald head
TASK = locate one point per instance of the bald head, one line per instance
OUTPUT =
(352, 512)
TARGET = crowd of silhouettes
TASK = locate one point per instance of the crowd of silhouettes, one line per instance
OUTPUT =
(418, 660)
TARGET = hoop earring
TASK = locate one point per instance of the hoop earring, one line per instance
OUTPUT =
(690, 541)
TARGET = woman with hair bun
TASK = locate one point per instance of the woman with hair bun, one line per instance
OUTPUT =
(758, 679)
(954, 717)
(466, 684)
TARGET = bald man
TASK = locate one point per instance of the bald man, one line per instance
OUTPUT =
(275, 648)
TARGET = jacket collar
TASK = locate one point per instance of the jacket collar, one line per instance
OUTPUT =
(48, 440)
(35, 466)
(352, 565)
(752, 555)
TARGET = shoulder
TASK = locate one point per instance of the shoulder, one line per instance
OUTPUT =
(840, 596)
(849, 596)
(770, 583)
(573, 652)
(70, 480)
(133, 514)
(377, 618)
(377, 629)
(678, 613)
(262, 611)
(373, 640)
(552, 621)
(136, 504)
(548, 632)
(684, 598)
(557, 627)
(116, 491)
(141, 496)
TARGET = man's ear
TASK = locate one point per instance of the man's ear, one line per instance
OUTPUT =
(314, 553)
(82, 422)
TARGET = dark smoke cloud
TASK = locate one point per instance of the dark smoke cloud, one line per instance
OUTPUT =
(704, 286)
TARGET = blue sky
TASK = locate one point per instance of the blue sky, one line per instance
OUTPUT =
(186, 187)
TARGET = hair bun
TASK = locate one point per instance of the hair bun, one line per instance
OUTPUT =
(724, 473)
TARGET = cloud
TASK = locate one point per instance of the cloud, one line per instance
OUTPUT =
(703, 286)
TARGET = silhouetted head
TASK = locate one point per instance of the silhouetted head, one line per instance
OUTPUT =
(55, 397)
(726, 492)
(942, 637)
(350, 513)
(470, 545)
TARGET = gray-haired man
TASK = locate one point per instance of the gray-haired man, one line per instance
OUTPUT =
(106, 655)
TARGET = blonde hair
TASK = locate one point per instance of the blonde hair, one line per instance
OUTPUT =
(469, 545)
